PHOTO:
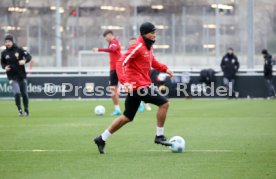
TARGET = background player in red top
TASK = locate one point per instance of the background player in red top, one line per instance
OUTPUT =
(114, 50)
(134, 72)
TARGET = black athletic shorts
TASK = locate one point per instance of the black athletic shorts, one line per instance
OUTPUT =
(113, 78)
(133, 101)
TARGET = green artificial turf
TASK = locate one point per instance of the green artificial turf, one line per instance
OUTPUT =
(224, 139)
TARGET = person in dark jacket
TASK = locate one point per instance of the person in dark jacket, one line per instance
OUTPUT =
(13, 60)
(268, 73)
(230, 66)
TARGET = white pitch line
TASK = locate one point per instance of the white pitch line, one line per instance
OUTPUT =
(222, 151)
(36, 150)
(153, 150)
(200, 151)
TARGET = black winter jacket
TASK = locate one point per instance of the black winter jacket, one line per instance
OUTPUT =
(11, 57)
(268, 66)
(230, 65)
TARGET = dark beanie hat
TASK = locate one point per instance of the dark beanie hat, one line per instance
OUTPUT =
(147, 27)
(9, 37)
(264, 51)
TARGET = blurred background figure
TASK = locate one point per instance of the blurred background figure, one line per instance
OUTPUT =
(132, 40)
(207, 76)
(13, 60)
(114, 50)
(230, 66)
(268, 74)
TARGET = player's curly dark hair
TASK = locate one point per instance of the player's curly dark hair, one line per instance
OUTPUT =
(107, 32)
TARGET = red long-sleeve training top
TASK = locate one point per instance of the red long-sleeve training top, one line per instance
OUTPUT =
(114, 50)
(134, 66)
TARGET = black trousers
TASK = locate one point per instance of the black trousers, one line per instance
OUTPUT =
(20, 88)
(270, 87)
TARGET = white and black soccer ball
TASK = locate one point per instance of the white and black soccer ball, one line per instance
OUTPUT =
(99, 110)
(178, 144)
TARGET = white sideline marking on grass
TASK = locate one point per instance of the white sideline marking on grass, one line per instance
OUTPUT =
(36, 150)
(223, 151)
(49, 125)
(202, 151)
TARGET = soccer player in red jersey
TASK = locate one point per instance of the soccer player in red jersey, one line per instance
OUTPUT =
(134, 72)
(114, 50)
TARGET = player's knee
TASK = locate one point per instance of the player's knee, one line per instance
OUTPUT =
(165, 106)
(113, 90)
(17, 94)
(126, 119)
(113, 94)
(24, 94)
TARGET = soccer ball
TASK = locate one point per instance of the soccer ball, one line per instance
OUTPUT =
(99, 110)
(178, 144)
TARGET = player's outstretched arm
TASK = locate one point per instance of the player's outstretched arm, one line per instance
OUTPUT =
(112, 48)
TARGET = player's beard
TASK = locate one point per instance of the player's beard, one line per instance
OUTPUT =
(148, 42)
